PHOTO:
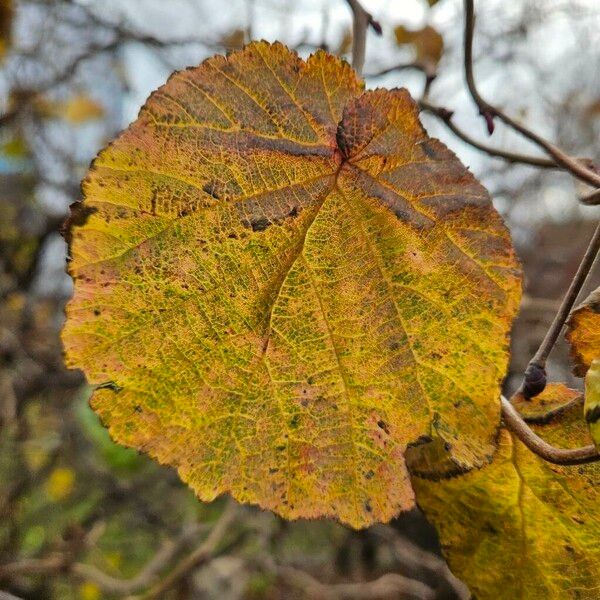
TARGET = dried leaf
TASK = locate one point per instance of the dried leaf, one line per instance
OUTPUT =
(82, 108)
(289, 282)
(78, 109)
(234, 39)
(427, 43)
(592, 110)
(522, 528)
(345, 43)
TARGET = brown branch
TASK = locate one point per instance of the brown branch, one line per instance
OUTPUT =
(558, 456)
(122, 35)
(28, 97)
(399, 67)
(145, 577)
(445, 115)
(126, 34)
(539, 304)
(562, 159)
(200, 555)
(361, 20)
(591, 199)
(7, 596)
(414, 562)
(390, 585)
(8, 118)
(427, 68)
(34, 566)
(534, 381)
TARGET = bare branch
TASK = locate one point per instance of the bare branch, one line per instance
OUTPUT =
(591, 199)
(566, 162)
(427, 68)
(8, 118)
(399, 67)
(390, 585)
(126, 33)
(146, 576)
(7, 596)
(414, 560)
(558, 456)
(361, 20)
(122, 35)
(445, 115)
(534, 381)
(34, 566)
(539, 304)
(200, 555)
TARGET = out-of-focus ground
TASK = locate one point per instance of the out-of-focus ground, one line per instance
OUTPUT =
(81, 517)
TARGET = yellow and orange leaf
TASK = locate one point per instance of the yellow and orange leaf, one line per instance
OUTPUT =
(427, 43)
(77, 109)
(555, 398)
(592, 400)
(583, 333)
(288, 282)
(522, 528)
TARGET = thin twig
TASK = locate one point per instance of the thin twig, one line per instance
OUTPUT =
(416, 563)
(399, 67)
(123, 35)
(361, 20)
(562, 159)
(390, 585)
(34, 566)
(591, 199)
(200, 555)
(445, 115)
(558, 456)
(7, 596)
(126, 34)
(534, 374)
(145, 577)
(539, 304)
(8, 118)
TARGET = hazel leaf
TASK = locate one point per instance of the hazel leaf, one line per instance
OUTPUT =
(286, 283)
(522, 528)
(583, 333)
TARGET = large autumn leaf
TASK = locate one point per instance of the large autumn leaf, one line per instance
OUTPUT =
(289, 282)
(583, 333)
(522, 528)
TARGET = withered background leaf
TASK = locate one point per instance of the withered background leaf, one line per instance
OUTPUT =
(522, 528)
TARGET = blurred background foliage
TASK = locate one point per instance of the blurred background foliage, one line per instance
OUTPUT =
(83, 518)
